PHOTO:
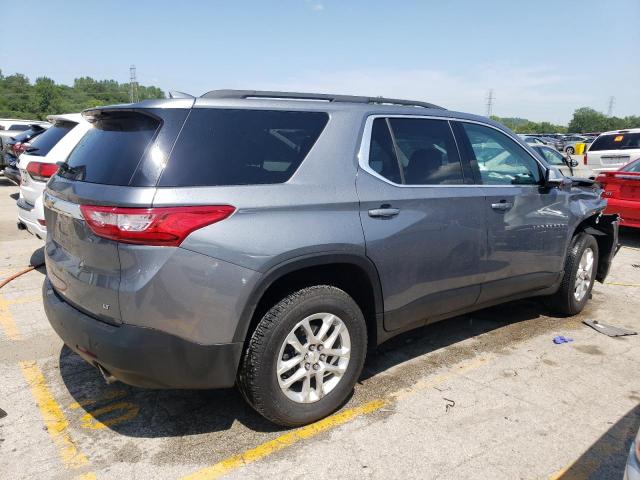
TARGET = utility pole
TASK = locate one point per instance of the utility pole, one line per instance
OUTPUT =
(612, 102)
(133, 84)
(490, 99)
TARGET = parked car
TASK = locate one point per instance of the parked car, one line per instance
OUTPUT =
(17, 144)
(632, 468)
(612, 150)
(622, 191)
(569, 143)
(567, 165)
(39, 161)
(532, 140)
(10, 127)
(271, 238)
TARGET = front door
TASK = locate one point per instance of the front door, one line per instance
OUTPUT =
(527, 224)
(423, 219)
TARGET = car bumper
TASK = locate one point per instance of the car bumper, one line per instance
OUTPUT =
(29, 215)
(629, 211)
(139, 356)
(13, 174)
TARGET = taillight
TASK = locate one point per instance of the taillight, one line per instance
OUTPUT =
(584, 159)
(167, 226)
(41, 171)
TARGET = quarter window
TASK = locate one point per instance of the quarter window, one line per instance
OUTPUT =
(500, 160)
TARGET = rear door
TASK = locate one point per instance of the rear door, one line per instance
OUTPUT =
(527, 225)
(423, 219)
(117, 163)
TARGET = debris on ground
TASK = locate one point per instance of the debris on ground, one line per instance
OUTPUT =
(450, 404)
(609, 330)
(2, 413)
(561, 339)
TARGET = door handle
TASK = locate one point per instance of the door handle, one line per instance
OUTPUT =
(385, 211)
(502, 205)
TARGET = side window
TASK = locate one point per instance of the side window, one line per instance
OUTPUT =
(382, 158)
(500, 160)
(426, 151)
(553, 157)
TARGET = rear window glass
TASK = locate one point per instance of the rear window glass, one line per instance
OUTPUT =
(241, 147)
(109, 152)
(616, 141)
(19, 127)
(42, 144)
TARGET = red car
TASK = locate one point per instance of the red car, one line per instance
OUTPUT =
(622, 191)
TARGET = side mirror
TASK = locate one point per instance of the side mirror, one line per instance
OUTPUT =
(553, 178)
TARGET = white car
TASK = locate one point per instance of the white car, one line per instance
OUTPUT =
(612, 150)
(567, 165)
(38, 163)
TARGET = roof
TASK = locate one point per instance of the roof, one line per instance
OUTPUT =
(621, 131)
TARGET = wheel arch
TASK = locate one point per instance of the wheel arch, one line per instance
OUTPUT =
(604, 228)
(355, 274)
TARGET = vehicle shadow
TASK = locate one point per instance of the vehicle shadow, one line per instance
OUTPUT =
(37, 260)
(15, 196)
(607, 457)
(4, 181)
(629, 237)
(145, 413)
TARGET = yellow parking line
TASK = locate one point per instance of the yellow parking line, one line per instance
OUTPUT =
(623, 284)
(284, 441)
(7, 323)
(265, 449)
(53, 417)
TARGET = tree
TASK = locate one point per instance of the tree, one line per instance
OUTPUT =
(21, 99)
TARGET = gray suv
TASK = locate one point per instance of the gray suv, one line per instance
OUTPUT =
(269, 239)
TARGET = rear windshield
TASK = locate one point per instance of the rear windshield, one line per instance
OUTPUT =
(632, 167)
(241, 147)
(109, 152)
(19, 127)
(42, 144)
(616, 141)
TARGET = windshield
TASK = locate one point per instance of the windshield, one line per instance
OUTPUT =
(616, 141)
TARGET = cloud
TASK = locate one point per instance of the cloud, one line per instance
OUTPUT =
(315, 6)
(538, 92)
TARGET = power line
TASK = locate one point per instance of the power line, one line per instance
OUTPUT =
(133, 84)
(490, 99)
(612, 102)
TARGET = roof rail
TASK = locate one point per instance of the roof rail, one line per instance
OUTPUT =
(314, 96)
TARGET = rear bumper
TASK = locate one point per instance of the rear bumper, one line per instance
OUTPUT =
(140, 356)
(12, 173)
(29, 215)
(629, 211)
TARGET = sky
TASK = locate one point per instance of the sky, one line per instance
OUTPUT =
(542, 59)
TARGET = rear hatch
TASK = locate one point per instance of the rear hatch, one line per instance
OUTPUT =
(612, 151)
(116, 164)
(33, 177)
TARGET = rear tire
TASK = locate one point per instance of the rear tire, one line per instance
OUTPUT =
(324, 381)
(581, 265)
(570, 150)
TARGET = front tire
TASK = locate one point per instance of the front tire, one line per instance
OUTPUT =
(580, 270)
(305, 356)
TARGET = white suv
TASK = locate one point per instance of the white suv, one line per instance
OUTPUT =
(38, 163)
(612, 150)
